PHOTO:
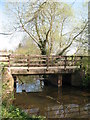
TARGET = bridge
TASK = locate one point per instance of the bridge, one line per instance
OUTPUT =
(42, 64)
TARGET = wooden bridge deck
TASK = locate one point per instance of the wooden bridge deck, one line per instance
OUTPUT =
(42, 70)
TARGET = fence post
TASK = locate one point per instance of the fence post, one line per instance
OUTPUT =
(65, 62)
(72, 61)
(81, 62)
(9, 60)
(47, 62)
(28, 62)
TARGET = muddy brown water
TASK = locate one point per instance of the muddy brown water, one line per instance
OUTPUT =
(49, 101)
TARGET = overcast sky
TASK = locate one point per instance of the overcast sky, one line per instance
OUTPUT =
(11, 41)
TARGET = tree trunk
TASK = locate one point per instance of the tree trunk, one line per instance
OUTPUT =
(43, 47)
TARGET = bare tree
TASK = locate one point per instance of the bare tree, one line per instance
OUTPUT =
(49, 24)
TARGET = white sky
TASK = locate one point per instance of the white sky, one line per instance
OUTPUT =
(8, 41)
(11, 42)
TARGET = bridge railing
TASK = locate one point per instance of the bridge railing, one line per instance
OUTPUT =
(12, 60)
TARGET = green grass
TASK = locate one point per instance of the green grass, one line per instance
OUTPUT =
(12, 112)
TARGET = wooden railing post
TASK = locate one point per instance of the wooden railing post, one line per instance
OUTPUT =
(28, 61)
(47, 62)
(81, 62)
(9, 60)
(72, 60)
(65, 62)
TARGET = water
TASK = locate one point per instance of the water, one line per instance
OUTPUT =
(49, 101)
(33, 87)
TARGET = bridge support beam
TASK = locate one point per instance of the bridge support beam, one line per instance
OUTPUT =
(59, 80)
(15, 79)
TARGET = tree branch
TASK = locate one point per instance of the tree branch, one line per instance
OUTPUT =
(62, 30)
(6, 33)
(49, 30)
(80, 32)
(72, 40)
(37, 30)
(3, 33)
(36, 13)
(34, 39)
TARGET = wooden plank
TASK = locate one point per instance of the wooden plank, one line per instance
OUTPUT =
(3, 55)
(37, 60)
(18, 65)
(4, 60)
(40, 70)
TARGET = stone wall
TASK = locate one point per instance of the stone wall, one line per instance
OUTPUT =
(7, 82)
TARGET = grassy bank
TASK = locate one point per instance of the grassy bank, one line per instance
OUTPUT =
(12, 112)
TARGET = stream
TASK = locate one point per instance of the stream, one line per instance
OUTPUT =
(37, 99)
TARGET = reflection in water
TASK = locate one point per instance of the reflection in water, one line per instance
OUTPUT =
(52, 102)
(33, 87)
(70, 110)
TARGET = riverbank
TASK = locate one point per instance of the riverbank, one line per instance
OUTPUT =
(12, 112)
